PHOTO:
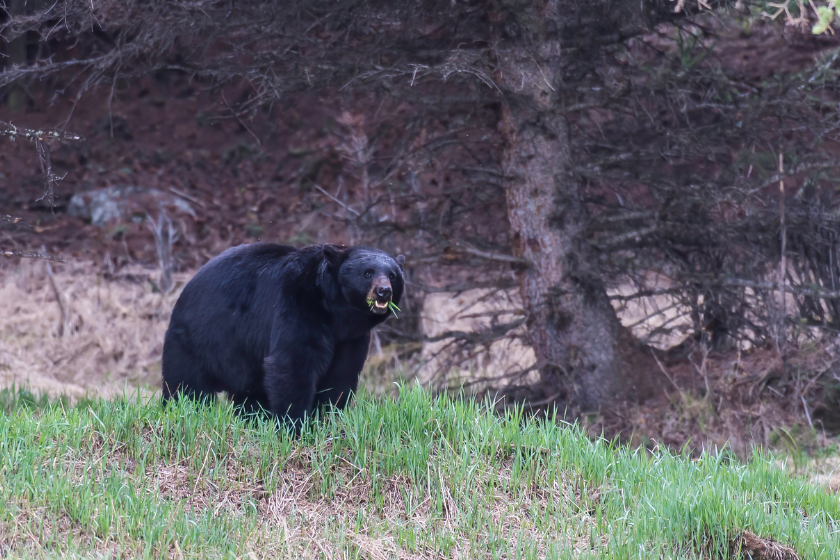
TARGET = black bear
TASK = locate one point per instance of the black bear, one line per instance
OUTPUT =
(280, 328)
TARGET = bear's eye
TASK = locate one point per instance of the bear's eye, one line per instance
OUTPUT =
(368, 273)
(392, 276)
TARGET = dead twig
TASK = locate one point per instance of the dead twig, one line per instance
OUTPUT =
(165, 236)
(62, 327)
(665, 372)
(241, 122)
(780, 338)
(334, 199)
(187, 197)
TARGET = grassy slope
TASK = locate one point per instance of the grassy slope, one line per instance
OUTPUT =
(413, 477)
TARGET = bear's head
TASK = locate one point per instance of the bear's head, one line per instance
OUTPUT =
(369, 279)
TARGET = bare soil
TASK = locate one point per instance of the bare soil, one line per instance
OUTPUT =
(78, 332)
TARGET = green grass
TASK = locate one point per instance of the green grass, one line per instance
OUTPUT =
(414, 476)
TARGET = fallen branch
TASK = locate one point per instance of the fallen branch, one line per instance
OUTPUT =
(13, 133)
(22, 255)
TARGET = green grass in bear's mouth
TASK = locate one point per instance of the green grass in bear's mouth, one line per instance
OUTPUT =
(391, 305)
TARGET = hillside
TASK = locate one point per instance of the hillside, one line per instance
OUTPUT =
(407, 477)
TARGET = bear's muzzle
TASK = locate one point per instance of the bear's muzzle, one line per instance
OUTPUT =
(380, 294)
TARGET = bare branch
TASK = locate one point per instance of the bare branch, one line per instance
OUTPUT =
(13, 133)
(468, 249)
(334, 199)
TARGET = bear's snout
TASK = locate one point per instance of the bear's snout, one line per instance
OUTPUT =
(380, 295)
(381, 289)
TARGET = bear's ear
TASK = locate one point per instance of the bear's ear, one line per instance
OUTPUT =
(400, 260)
(334, 254)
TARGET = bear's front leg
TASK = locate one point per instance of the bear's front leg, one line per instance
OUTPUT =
(342, 377)
(291, 375)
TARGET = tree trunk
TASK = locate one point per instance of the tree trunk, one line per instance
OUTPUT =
(586, 357)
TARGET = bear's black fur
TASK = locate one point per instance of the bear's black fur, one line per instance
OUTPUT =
(280, 328)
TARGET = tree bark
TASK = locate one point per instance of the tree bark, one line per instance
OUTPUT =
(586, 357)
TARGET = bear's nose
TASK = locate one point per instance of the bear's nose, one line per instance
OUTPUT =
(383, 292)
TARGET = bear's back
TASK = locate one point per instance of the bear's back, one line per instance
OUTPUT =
(236, 264)
(230, 279)
(252, 255)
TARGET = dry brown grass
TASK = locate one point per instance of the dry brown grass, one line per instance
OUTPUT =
(295, 523)
(375, 537)
(112, 333)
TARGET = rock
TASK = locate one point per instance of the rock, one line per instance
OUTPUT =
(120, 203)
